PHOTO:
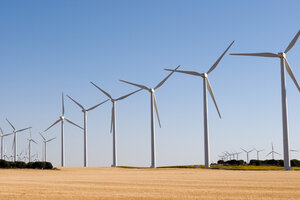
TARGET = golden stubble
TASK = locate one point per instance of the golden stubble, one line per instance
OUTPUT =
(121, 183)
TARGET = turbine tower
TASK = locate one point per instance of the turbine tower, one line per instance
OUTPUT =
(29, 145)
(273, 152)
(247, 153)
(62, 119)
(153, 105)
(284, 66)
(45, 146)
(113, 120)
(85, 111)
(2, 142)
(257, 153)
(15, 131)
(206, 86)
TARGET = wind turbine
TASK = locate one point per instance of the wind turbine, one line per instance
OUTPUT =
(45, 146)
(62, 119)
(284, 65)
(206, 85)
(29, 145)
(273, 152)
(113, 120)
(247, 153)
(257, 153)
(237, 155)
(153, 105)
(85, 111)
(15, 131)
(2, 142)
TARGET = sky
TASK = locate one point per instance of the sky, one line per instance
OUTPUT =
(50, 47)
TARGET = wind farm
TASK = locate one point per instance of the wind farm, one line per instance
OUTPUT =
(149, 100)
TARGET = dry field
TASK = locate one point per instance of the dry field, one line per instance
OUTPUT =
(120, 183)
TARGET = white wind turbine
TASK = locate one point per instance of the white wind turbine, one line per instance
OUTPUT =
(284, 65)
(206, 86)
(45, 146)
(29, 145)
(15, 131)
(237, 155)
(273, 152)
(153, 105)
(2, 142)
(62, 119)
(113, 120)
(85, 111)
(247, 152)
(257, 153)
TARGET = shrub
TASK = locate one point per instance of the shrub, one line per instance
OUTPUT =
(12, 164)
(295, 163)
(20, 164)
(4, 164)
(48, 165)
(220, 162)
(38, 165)
(29, 165)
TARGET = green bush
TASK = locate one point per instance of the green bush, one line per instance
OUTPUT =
(29, 165)
(48, 165)
(38, 165)
(12, 164)
(20, 164)
(4, 164)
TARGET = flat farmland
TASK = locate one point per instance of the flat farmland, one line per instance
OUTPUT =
(122, 183)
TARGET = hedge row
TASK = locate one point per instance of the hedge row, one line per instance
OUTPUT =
(294, 163)
(30, 165)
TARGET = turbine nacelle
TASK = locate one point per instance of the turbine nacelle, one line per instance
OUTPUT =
(151, 90)
(62, 117)
(282, 55)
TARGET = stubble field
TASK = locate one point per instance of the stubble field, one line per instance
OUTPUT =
(121, 183)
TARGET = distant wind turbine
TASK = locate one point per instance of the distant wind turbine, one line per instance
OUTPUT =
(45, 141)
(247, 153)
(206, 86)
(113, 120)
(85, 111)
(257, 153)
(15, 131)
(284, 66)
(153, 105)
(29, 144)
(273, 152)
(61, 119)
(2, 142)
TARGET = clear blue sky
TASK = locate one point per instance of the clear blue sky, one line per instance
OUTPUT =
(47, 47)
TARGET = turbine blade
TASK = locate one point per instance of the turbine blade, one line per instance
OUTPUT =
(289, 70)
(125, 96)
(92, 108)
(265, 54)
(52, 125)
(63, 104)
(102, 90)
(292, 42)
(244, 150)
(268, 153)
(51, 139)
(42, 137)
(10, 124)
(7, 134)
(186, 72)
(1, 131)
(219, 59)
(137, 85)
(34, 141)
(251, 150)
(277, 153)
(112, 119)
(73, 123)
(156, 110)
(165, 79)
(78, 104)
(23, 129)
(212, 96)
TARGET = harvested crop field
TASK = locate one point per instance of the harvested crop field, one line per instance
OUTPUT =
(122, 183)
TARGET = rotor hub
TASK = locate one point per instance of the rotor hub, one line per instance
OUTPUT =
(152, 90)
(205, 75)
